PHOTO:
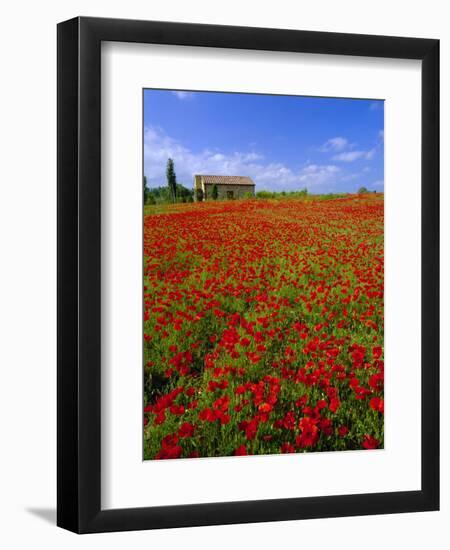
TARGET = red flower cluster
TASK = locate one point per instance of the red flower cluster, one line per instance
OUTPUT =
(263, 327)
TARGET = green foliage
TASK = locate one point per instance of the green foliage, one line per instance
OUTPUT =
(298, 195)
(199, 195)
(146, 190)
(171, 179)
(330, 196)
(265, 195)
(283, 194)
(362, 190)
(163, 195)
(215, 192)
(184, 193)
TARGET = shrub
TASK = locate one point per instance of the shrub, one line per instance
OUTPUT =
(265, 195)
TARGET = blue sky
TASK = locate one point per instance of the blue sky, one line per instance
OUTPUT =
(282, 142)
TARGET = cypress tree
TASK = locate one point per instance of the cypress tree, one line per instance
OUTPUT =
(171, 179)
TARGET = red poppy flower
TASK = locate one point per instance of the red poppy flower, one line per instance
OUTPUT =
(186, 430)
(224, 418)
(177, 409)
(287, 448)
(334, 404)
(289, 421)
(377, 352)
(240, 451)
(370, 442)
(169, 452)
(321, 404)
(343, 431)
(265, 407)
(309, 433)
(377, 404)
(326, 426)
(208, 415)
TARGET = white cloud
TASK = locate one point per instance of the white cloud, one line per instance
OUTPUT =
(351, 177)
(319, 175)
(335, 144)
(184, 95)
(344, 151)
(378, 185)
(351, 156)
(158, 147)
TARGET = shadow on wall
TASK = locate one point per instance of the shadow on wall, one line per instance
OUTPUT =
(46, 514)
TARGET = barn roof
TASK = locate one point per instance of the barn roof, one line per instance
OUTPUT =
(227, 180)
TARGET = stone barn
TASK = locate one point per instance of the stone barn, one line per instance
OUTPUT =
(228, 187)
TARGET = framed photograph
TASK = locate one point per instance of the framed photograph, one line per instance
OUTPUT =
(248, 275)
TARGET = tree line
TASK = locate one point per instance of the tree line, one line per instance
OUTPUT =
(172, 192)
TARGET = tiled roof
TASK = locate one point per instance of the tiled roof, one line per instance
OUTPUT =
(227, 180)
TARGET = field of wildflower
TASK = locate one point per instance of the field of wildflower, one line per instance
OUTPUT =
(263, 327)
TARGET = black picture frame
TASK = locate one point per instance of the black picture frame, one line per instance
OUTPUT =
(79, 277)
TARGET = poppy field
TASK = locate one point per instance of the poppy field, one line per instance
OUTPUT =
(263, 327)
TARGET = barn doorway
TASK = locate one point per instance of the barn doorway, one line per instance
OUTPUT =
(230, 195)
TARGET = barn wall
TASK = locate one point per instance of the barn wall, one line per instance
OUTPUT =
(239, 191)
